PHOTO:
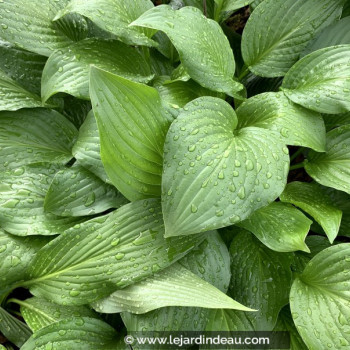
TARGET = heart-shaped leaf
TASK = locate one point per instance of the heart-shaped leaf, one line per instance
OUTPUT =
(214, 175)
(185, 28)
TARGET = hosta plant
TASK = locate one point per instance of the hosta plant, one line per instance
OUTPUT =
(174, 166)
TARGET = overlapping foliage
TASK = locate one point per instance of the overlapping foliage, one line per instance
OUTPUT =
(159, 171)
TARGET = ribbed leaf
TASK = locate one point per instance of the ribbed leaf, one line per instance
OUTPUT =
(314, 200)
(74, 333)
(208, 58)
(132, 125)
(281, 227)
(67, 70)
(220, 175)
(334, 120)
(278, 31)
(257, 85)
(332, 168)
(205, 261)
(296, 125)
(13, 329)
(77, 192)
(107, 253)
(261, 279)
(336, 34)
(35, 135)
(174, 286)
(224, 8)
(28, 24)
(16, 63)
(75, 109)
(39, 313)
(321, 81)
(114, 16)
(14, 96)
(322, 290)
(15, 255)
(22, 202)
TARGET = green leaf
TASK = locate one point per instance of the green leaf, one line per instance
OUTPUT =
(285, 324)
(225, 8)
(107, 253)
(77, 192)
(205, 261)
(175, 95)
(87, 148)
(14, 97)
(160, 65)
(35, 135)
(210, 184)
(132, 125)
(16, 63)
(257, 85)
(29, 25)
(321, 81)
(174, 286)
(114, 16)
(74, 26)
(261, 278)
(314, 200)
(22, 202)
(72, 334)
(296, 125)
(346, 9)
(342, 201)
(279, 226)
(67, 70)
(323, 291)
(278, 31)
(332, 168)
(334, 120)
(15, 255)
(13, 329)
(75, 109)
(335, 34)
(39, 313)
(208, 58)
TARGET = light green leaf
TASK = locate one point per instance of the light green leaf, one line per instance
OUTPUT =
(114, 16)
(28, 24)
(16, 63)
(67, 70)
(14, 97)
(77, 192)
(322, 290)
(336, 34)
(174, 286)
(13, 329)
(87, 148)
(132, 125)
(225, 8)
(72, 334)
(261, 278)
(107, 253)
(296, 125)
(208, 58)
(22, 202)
(279, 226)
(285, 324)
(278, 31)
(321, 81)
(210, 184)
(35, 135)
(39, 313)
(15, 255)
(205, 261)
(342, 201)
(176, 95)
(332, 168)
(314, 200)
